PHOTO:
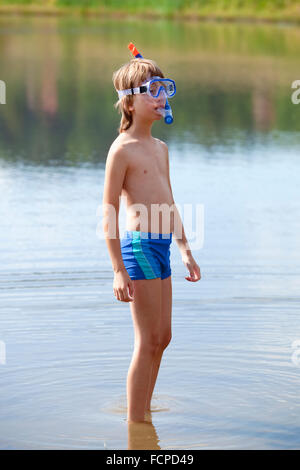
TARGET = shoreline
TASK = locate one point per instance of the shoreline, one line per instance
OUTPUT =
(233, 17)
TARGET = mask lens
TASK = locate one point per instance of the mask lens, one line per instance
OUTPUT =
(156, 87)
(165, 86)
(170, 89)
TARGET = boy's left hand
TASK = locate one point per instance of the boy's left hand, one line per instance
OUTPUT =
(193, 268)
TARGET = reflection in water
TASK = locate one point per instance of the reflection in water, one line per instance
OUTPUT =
(60, 104)
(263, 106)
(142, 435)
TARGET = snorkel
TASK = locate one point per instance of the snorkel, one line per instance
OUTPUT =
(166, 111)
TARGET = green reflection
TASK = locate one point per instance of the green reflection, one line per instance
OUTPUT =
(233, 83)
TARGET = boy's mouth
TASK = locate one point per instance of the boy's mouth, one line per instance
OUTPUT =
(160, 110)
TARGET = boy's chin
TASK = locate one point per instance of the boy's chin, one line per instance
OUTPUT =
(158, 116)
(160, 112)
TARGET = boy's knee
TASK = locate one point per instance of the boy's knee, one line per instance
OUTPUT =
(165, 340)
(150, 345)
(155, 343)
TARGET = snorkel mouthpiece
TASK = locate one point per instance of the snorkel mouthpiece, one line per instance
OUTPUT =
(166, 112)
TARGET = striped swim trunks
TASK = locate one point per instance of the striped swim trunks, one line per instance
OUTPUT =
(146, 255)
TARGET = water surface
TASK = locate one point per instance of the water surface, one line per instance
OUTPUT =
(227, 379)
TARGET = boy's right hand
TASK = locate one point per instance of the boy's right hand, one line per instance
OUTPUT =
(123, 286)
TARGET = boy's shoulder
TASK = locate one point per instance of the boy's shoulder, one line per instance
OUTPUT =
(121, 144)
(118, 150)
(124, 142)
(162, 144)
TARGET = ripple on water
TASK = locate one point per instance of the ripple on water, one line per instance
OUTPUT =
(159, 403)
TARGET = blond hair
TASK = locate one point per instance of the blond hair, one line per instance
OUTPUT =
(131, 75)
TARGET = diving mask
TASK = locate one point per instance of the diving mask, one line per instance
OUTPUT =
(153, 88)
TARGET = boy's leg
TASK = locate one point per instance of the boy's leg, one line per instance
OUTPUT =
(165, 332)
(146, 314)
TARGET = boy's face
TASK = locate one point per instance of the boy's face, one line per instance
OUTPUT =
(145, 106)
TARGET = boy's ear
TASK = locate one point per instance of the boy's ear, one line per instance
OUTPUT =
(129, 106)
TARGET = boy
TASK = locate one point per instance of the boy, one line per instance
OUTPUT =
(137, 167)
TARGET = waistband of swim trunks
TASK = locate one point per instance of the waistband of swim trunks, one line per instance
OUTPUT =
(147, 235)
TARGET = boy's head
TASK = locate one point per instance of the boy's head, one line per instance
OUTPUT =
(131, 75)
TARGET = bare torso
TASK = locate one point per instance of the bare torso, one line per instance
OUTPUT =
(146, 186)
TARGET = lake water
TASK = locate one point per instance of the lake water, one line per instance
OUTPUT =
(230, 377)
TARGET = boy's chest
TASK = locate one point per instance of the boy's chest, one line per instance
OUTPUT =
(145, 167)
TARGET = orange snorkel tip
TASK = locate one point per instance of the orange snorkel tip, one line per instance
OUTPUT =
(134, 51)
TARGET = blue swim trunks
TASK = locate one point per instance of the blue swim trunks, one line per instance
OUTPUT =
(146, 255)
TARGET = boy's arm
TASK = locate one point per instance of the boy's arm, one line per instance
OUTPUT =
(181, 240)
(179, 232)
(115, 170)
